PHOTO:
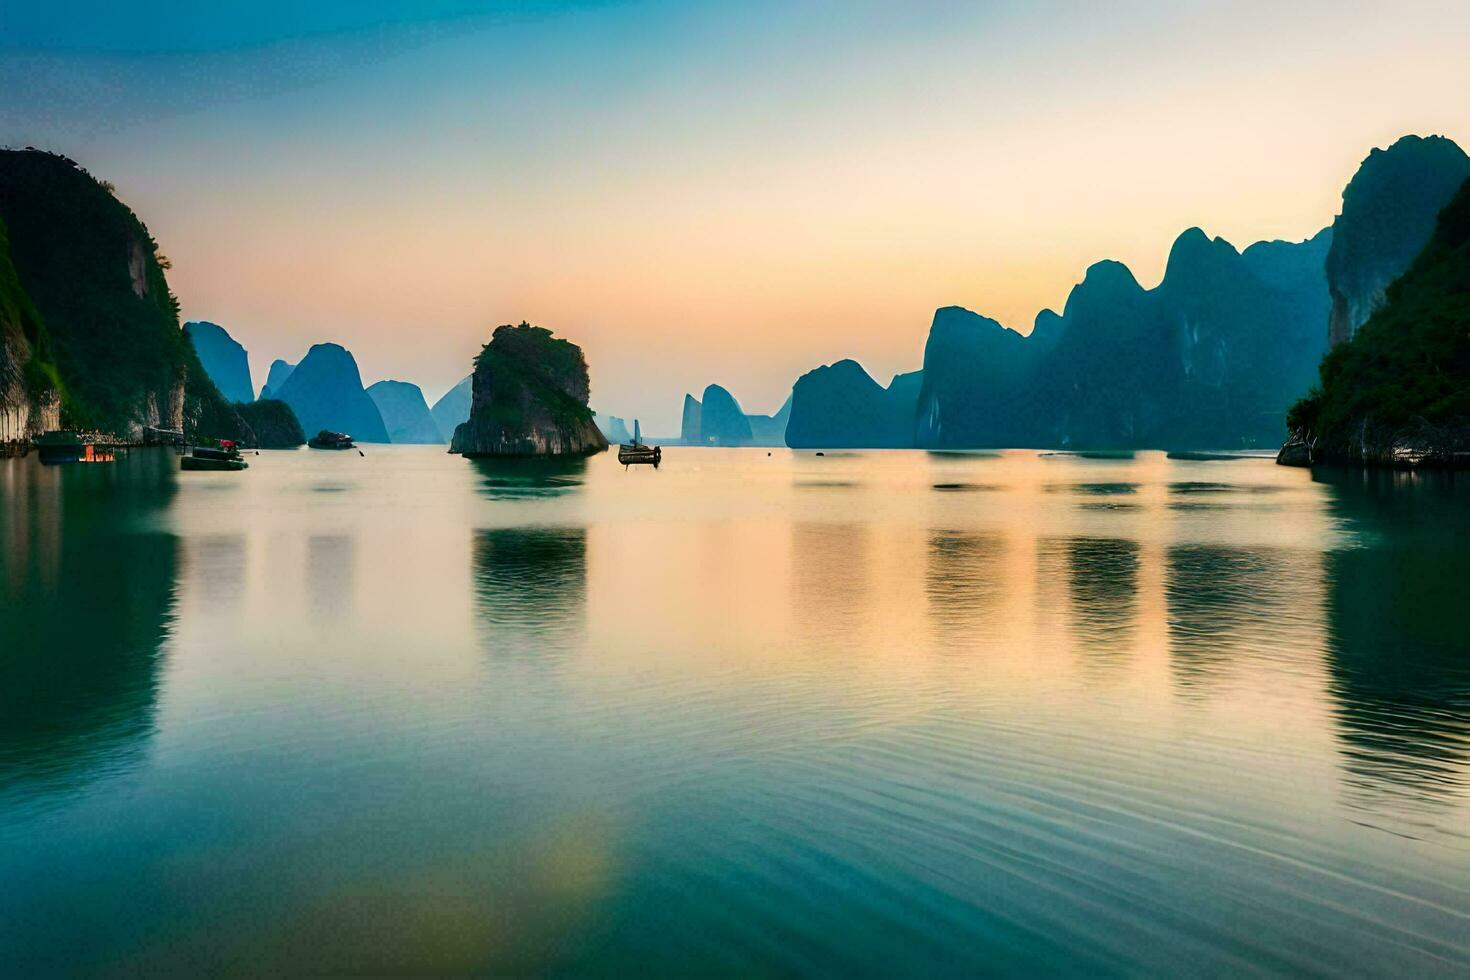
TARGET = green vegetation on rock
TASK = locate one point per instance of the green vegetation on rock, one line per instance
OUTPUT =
(271, 423)
(104, 316)
(1399, 390)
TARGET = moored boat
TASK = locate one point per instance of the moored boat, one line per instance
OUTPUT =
(327, 439)
(636, 452)
(207, 458)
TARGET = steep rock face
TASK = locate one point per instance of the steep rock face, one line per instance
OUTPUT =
(405, 413)
(325, 391)
(271, 424)
(1388, 214)
(530, 394)
(92, 274)
(972, 387)
(770, 430)
(30, 397)
(224, 360)
(1398, 392)
(690, 428)
(840, 406)
(276, 377)
(1246, 334)
(721, 420)
(613, 429)
(453, 408)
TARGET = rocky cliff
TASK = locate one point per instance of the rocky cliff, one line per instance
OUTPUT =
(30, 392)
(974, 369)
(840, 406)
(529, 398)
(1208, 358)
(1397, 393)
(1388, 214)
(276, 377)
(453, 408)
(223, 359)
(722, 421)
(325, 391)
(91, 273)
(691, 428)
(404, 411)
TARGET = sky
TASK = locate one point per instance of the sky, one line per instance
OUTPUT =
(700, 192)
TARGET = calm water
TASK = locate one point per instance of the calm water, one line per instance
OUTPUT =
(868, 713)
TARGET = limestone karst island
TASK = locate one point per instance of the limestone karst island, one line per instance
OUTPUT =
(826, 490)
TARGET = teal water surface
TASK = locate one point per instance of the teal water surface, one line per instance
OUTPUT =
(867, 713)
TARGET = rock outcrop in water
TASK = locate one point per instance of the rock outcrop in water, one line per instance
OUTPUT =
(1388, 214)
(102, 344)
(223, 359)
(325, 391)
(404, 411)
(530, 393)
(271, 424)
(840, 406)
(1398, 392)
(691, 428)
(276, 377)
(722, 421)
(453, 408)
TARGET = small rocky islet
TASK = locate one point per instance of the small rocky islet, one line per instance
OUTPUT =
(529, 398)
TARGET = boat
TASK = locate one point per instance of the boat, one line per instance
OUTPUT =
(207, 458)
(61, 446)
(327, 439)
(635, 452)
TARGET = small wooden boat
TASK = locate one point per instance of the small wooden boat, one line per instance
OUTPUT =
(206, 458)
(636, 452)
(327, 439)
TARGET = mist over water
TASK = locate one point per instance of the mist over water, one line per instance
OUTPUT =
(870, 712)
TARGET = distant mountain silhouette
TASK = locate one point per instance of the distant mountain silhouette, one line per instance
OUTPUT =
(325, 391)
(1388, 213)
(613, 429)
(453, 408)
(840, 405)
(276, 377)
(224, 360)
(770, 430)
(722, 420)
(405, 413)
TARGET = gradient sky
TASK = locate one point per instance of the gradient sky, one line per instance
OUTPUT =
(704, 192)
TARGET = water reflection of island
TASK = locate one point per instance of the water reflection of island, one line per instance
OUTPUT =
(965, 584)
(530, 588)
(1397, 642)
(513, 478)
(1226, 602)
(1102, 581)
(87, 598)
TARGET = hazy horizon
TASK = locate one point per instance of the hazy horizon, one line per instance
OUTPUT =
(740, 194)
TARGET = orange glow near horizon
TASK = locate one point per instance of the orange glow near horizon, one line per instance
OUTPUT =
(738, 196)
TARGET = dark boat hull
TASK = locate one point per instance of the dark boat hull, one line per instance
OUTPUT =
(211, 464)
